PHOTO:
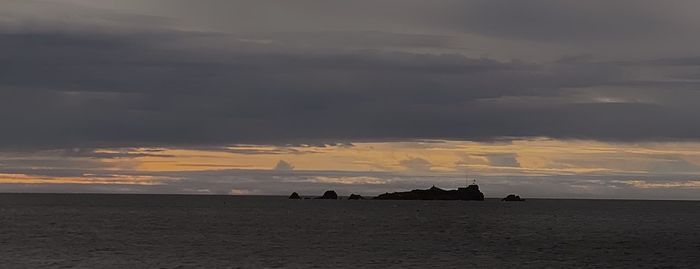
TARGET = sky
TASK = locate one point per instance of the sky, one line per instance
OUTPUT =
(542, 98)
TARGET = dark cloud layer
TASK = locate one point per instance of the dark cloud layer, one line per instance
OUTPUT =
(64, 86)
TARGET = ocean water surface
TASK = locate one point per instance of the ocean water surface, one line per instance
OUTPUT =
(180, 231)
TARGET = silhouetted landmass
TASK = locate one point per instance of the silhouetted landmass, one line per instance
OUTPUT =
(329, 195)
(294, 196)
(471, 192)
(355, 197)
(513, 198)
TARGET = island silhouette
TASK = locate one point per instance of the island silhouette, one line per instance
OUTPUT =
(468, 193)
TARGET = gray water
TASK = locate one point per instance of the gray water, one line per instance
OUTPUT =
(167, 231)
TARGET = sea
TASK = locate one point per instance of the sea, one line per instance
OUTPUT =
(190, 231)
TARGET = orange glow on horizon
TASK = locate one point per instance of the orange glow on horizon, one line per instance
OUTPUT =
(534, 156)
(87, 179)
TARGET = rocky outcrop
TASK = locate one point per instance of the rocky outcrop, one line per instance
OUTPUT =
(331, 195)
(513, 198)
(294, 196)
(471, 192)
(355, 197)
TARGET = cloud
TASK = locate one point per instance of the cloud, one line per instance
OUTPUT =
(126, 84)
(569, 21)
(283, 166)
(643, 184)
(350, 180)
(112, 90)
(86, 85)
(416, 164)
(240, 192)
(503, 160)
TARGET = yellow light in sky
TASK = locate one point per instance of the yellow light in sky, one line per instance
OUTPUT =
(533, 156)
(86, 179)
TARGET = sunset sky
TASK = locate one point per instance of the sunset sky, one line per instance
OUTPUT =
(543, 98)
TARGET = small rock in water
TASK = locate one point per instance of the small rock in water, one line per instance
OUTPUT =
(355, 197)
(294, 196)
(513, 198)
(331, 195)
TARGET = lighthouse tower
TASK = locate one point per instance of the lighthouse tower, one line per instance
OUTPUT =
(467, 182)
